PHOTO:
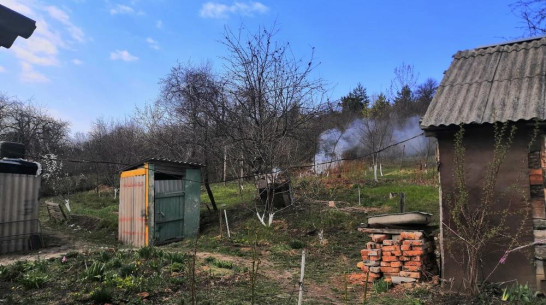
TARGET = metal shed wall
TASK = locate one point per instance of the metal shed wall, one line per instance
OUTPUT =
(132, 225)
(18, 211)
(192, 206)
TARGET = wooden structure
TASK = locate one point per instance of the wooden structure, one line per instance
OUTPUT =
(498, 83)
(159, 202)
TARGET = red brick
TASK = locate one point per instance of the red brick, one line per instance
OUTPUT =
(396, 253)
(390, 269)
(405, 247)
(417, 258)
(376, 252)
(396, 264)
(386, 264)
(535, 176)
(370, 263)
(390, 258)
(415, 275)
(387, 253)
(410, 242)
(391, 274)
(411, 268)
(375, 258)
(378, 238)
(360, 278)
(389, 242)
(375, 269)
(414, 253)
(365, 257)
(404, 258)
(372, 245)
(411, 235)
(391, 248)
(412, 263)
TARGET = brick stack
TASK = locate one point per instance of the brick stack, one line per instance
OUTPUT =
(404, 256)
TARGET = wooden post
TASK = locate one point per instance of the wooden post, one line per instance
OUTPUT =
(300, 297)
(220, 221)
(225, 165)
(402, 202)
(227, 225)
(359, 203)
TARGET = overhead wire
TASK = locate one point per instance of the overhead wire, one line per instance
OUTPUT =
(245, 176)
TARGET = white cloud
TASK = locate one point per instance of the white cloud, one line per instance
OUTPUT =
(2, 69)
(159, 24)
(122, 55)
(219, 10)
(121, 9)
(29, 75)
(18, 7)
(54, 35)
(152, 43)
(77, 62)
(63, 17)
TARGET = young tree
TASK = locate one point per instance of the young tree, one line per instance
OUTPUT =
(376, 130)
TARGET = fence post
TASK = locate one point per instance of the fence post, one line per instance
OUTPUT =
(227, 224)
(300, 297)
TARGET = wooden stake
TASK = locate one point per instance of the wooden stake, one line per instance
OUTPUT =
(300, 297)
(227, 224)
(220, 222)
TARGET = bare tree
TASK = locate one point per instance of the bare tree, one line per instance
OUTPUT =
(271, 101)
(376, 130)
(196, 98)
(533, 13)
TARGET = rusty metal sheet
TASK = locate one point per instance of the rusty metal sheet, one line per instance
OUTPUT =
(132, 211)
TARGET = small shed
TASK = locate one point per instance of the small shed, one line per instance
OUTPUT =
(19, 192)
(498, 83)
(159, 202)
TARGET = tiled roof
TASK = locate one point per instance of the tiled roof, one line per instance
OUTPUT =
(499, 83)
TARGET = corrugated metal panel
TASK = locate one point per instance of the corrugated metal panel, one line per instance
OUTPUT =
(18, 211)
(192, 202)
(501, 83)
(169, 186)
(132, 211)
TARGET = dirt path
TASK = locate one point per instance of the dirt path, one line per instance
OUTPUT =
(60, 244)
(288, 279)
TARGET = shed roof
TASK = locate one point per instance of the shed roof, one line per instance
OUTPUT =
(164, 162)
(498, 83)
(13, 24)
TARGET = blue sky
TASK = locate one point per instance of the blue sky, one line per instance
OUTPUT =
(92, 59)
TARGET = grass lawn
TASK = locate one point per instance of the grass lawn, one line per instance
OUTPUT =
(223, 265)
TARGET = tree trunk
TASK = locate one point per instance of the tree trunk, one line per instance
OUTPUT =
(209, 191)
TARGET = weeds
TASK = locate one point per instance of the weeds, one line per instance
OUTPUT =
(34, 279)
(95, 272)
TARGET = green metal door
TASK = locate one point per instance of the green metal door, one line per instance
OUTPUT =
(169, 214)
